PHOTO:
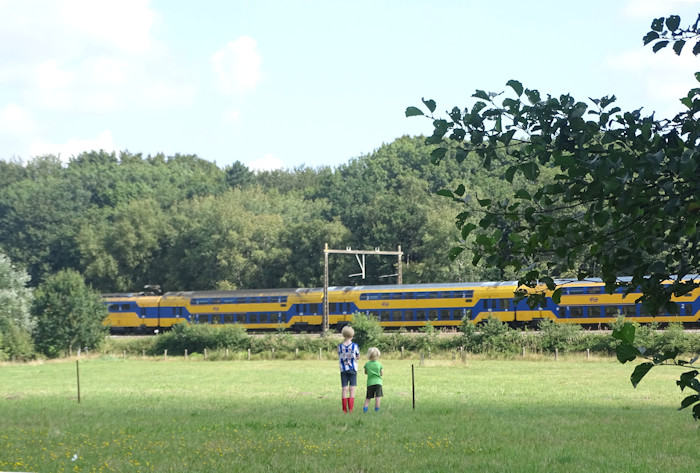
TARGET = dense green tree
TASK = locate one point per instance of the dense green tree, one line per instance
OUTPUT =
(16, 323)
(624, 194)
(238, 175)
(68, 315)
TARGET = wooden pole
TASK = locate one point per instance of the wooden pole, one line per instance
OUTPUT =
(413, 386)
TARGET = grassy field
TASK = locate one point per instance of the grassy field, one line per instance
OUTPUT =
(542, 415)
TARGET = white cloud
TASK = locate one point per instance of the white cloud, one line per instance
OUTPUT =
(232, 115)
(237, 66)
(15, 119)
(268, 163)
(74, 147)
(87, 56)
(663, 78)
(649, 9)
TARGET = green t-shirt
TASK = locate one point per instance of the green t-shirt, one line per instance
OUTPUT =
(373, 370)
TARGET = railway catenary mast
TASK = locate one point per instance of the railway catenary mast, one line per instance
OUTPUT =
(357, 253)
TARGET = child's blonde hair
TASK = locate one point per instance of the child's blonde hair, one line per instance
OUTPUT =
(373, 353)
(348, 331)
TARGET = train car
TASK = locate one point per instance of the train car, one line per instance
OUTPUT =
(408, 306)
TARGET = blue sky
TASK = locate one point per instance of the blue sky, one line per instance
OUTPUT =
(281, 84)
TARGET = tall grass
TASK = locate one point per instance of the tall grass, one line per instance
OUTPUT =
(285, 415)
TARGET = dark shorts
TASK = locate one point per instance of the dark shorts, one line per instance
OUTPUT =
(374, 391)
(348, 378)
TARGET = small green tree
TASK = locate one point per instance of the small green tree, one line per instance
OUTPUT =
(368, 332)
(68, 314)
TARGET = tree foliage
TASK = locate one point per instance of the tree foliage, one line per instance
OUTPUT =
(16, 323)
(68, 315)
(624, 199)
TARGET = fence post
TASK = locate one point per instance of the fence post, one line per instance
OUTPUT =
(165, 354)
(588, 353)
(296, 353)
(556, 354)
(227, 353)
(401, 352)
(205, 354)
(320, 353)
(185, 353)
(248, 354)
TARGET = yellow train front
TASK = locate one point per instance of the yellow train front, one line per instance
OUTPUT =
(409, 306)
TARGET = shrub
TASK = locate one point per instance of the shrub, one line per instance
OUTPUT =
(368, 332)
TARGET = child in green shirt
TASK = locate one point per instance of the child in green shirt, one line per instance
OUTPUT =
(374, 372)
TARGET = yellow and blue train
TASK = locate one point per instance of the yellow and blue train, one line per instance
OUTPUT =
(409, 306)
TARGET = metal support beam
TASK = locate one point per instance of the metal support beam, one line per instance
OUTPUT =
(357, 253)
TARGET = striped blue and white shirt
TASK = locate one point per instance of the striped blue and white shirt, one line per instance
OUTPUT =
(348, 356)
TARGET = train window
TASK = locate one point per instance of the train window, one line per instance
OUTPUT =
(421, 295)
(396, 295)
(629, 310)
(216, 319)
(216, 301)
(239, 318)
(433, 295)
(408, 295)
(384, 315)
(408, 315)
(445, 314)
(202, 319)
(228, 318)
(562, 312)
(332, 308)
(573, 290)
(420, 315)
(396, 315)
(611, 310)
(432, 314)
(385, 296)
(227, 300)
(114, 307)
(363, 297)
(575, 311)
(596, 311)
(596, 290)
(644, 311)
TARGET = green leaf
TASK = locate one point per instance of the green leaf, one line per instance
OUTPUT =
(531, 171)
(430, 104)
(658, 24)
(413, 111)
(626, 352)
(625, 333)
(480, 94)
(673, 22)
(455, 252)
(689, 401)
(446, 193)
(678, 46)
(660, 45)
(467, 229)
(696, 51)
(639, 372)
(696, 412)
(556, 295)
(437, 154)
(523, 194)
(516, 86)
(601, 218)
(651, 36)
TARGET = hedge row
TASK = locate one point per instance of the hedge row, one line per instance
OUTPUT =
(491, 337)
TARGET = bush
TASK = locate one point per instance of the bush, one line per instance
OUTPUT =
(368, 332)
(196, 338)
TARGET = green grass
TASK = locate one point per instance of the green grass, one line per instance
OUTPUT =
(483, 415)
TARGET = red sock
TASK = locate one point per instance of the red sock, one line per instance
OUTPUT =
(345, 404)
(351, 403)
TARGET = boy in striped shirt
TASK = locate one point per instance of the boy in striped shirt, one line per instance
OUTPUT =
(348, 355)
